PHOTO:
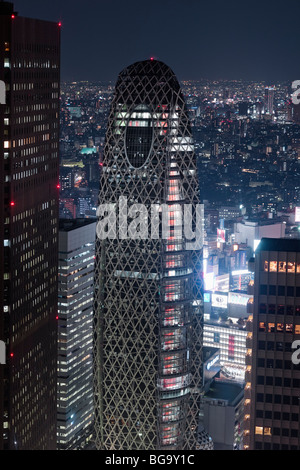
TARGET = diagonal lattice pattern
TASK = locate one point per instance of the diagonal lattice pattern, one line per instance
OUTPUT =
(148, 298)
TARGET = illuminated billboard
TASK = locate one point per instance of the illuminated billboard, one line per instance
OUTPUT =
(222, 283)
(219, 300)
(236, 298)
(220, 235)
(209, 281)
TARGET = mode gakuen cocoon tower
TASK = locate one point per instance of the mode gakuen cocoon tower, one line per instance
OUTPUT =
(149, 303)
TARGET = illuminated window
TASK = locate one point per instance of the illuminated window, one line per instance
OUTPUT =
(267, 432)
(262, 326)
(273, 266)
(280, 327)
(290, 267)
(259, 430)
(297, 329)
(271, 327)
(281, 266)
(289, 328)
(266, 266)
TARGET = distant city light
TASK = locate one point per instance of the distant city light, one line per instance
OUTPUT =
(239, 272)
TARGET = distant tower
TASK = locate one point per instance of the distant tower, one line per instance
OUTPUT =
(75, 332)
(29, 141)
(272, 378)
(149, 303)
(269, 100)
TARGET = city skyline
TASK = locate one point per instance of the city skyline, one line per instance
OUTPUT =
(197, 39)
(151, 227)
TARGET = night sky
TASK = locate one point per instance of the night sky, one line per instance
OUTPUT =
(255, 40)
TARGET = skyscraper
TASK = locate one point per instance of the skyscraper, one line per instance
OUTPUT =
(272, 376)
(29, 136)
(269, 100)
(75, 332)
(149, 304)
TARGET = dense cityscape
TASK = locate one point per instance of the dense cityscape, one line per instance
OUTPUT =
(137, 343)
(247, 143)
(247, 155)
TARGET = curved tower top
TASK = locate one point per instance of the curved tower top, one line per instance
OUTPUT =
(149, 81)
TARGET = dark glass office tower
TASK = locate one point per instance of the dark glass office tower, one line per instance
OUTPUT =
(272, 388)
(29, 137)
(148, 348)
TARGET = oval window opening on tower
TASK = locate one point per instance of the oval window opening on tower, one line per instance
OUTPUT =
(139, 136)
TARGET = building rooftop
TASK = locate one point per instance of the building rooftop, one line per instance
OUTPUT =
(279, 244)
(227, 391)
(208, 352)
(65, 225)
(255, 221)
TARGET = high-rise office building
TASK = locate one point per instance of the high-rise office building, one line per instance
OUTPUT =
(272, 375)
(29, 138)
(269, 100)
(149, 303)
(75, 404)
